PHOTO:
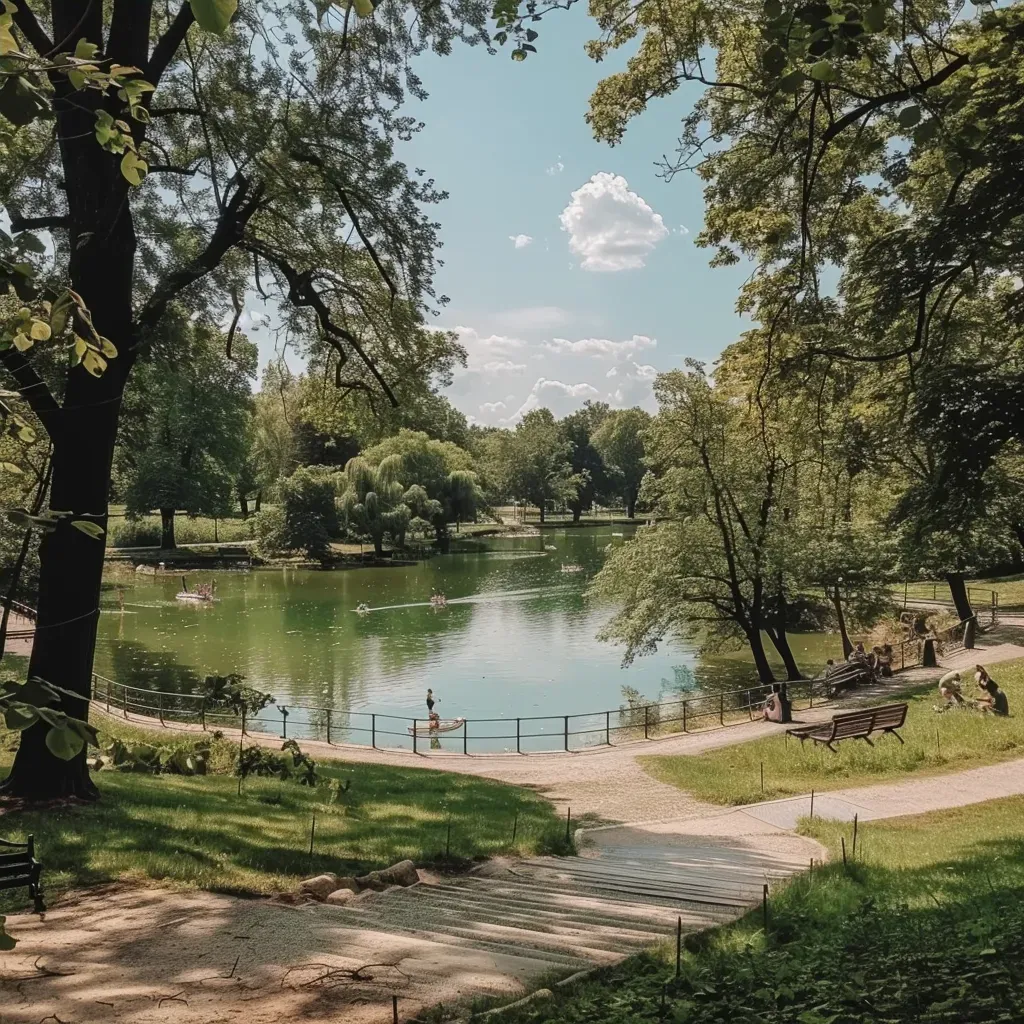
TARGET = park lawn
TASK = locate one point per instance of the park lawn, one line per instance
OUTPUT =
(927, 926)
(933, 744)
(198, 832)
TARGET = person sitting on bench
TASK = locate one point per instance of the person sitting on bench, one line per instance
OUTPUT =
(885, 661)
(992, 698)
(949, 688)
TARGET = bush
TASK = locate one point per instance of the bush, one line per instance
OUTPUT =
(228, 692)
(133, 533)
(268, 531)
(145, 531)
(311, 516)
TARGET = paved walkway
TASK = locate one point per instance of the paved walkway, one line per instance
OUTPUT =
(21, 646)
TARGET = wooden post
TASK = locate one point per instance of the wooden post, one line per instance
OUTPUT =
(284, 722)
(465, 736)
(312, 834)
(684, 714)
(938, 745)
(124, 701)
(515, 828)
(568, 824)
(243, 720)
(328, 727)
(679, 945)
(394, 1009)
(518, 747)
(566, 732)
(764, 905)
(647, 709)
(414, 735)
(842, 839)
(855, 837)
(721, 709)
(160, 707)
(608, 728)
(202, 713)
(762, 776)
(812, 805)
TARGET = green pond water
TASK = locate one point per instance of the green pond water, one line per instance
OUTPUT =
(516, 640)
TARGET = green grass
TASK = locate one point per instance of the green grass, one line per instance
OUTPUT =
(145, 531)
(197, 831)
(933, 743)
(927, 927)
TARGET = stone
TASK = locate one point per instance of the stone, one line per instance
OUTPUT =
(371, 881)
(339, 897)
(348, 882)
(319, 887)
(402, 873)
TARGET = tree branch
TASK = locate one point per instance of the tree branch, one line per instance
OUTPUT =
(230, 229)
(852, 116)
(32, 388)
(188, 172)
(168, 44)
(32, 30)
(19, 223)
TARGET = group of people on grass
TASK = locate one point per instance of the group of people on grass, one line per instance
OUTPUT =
(989, 696)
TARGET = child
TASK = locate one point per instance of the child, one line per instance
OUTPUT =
(992, 698)
(949, 688)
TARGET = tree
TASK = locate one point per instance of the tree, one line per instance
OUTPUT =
(373, 501)
(310, 513)
(578, 428)
(257, 191)
(539, 466)
(620, 441)
(193, 444)
(442, 485)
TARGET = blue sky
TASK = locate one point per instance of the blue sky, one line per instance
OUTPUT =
(589, 312)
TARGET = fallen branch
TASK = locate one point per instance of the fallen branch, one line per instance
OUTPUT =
(339, 975)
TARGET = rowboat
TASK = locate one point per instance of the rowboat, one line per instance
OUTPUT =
(191, 595)
(441, 725)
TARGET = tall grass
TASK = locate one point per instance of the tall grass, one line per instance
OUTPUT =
(933, 743)
(145, 532)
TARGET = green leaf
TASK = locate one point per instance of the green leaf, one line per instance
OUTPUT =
(84, 50)
(89, 529)
(64, 743)
(954, 163)
(17, 718)
(926, 131)
(823, 72)
(772, 9)
(909, 116)
(214, 15)
(134, 168)
(10, 467)
(792, 82)
(874, 18)
(364, 8)
(775, 60)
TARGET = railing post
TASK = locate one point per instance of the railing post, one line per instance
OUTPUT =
(284, 722)
(202, 713)
(328, 726)
(465, 736)
(647, 708)
(106, 686)
(684, 714)
(243, 720)
(518, 747)
(373, 731)
(414, 735)
(608, 728)
(567, 732)
(721, 709)
(124, 700)
(160, 707)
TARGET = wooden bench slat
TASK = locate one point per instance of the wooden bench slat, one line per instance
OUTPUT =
(858, 724)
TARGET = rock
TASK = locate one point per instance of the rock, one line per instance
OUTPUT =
(319, 887)
(371, 881)
(340, 897)
(348, 882)
(402, 873)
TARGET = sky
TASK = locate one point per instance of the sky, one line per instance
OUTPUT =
(570, 265)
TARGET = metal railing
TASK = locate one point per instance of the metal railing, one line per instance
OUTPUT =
(23, 610)
(982, 599)
(532, 734)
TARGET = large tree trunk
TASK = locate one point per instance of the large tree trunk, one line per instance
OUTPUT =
(541, 506)
(837, 604)
(958, 590)
(764, 669)
(631, 504)
(780, 641)
(259, 500)
(167, 529)
(83, 431)
(243, 504)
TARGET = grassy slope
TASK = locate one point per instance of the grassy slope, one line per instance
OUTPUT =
(930, 927)
(933, 743)
(199, 832)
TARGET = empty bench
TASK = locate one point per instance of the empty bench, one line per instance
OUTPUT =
(20, 869)
(855, 725)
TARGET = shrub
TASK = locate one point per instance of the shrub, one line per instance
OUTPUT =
(292, 763)
(268, 531)
(228, 692)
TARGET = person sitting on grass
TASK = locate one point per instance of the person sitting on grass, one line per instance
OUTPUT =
(885, 661)
(992, 698)
(949, 689)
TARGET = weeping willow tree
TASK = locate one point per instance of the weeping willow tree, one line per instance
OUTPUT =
(373, 501)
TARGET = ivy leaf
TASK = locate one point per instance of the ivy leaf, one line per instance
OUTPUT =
(18, 718)
(134, 168)
(108, 348)
(792, 82)
(62, 742)
(823, 72)
(93, 362)
(214, 15)
(909, 116)
(775, 59)
(874, 18)
(10, 467)
(89, 529)
(40, 330)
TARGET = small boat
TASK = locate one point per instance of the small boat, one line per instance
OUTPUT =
(571, 568)
(362, 609)
(441, 725)
(550, 547)
(438, 601)
(616, 534)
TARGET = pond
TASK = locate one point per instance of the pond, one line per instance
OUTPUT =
(518, 637)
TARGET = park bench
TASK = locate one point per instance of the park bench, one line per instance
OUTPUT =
(20, 869)
(847, 675)
(855, 725)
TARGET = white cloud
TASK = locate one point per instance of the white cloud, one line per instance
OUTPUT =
(556, 168)
(555, 395)
(493, 407)
(610, 227)
(601, 348)
(502, 366)
(633, 386)
(531, 318)
(520, 241)
(683, 229)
